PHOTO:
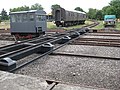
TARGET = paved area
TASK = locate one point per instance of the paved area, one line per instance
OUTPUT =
(9, 81)
(72, 87)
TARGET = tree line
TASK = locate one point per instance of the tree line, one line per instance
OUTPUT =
(112, 9)
(5, 16)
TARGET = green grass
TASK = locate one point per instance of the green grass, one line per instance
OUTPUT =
(51, 25)
(5, 24)
(100, 26)
(78, 26)
(118, 26)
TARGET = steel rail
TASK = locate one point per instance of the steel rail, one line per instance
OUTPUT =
(108, 44)
(42, 55)
(25, 47)
(86, 56)
(99, 39)
(37, 48)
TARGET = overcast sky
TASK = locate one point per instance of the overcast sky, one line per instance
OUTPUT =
(46, 4)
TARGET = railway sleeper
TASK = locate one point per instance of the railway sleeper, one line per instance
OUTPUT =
(74, 35)
(64, 40)
(8, 63)
(46, 47)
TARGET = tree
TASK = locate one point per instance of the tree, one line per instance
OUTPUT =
(22, 8)
(99, 15)
(95, 14)
(112, 9)
(36, 6)
(4, 15)
(0, 19)
(104, 10)
(115, 7)
(92, 13)
(79, 9)
(26, 8)
(55, 6)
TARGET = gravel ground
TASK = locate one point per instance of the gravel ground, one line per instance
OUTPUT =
(4, 43)
(101, 73)
(27, 59)
(91, 50)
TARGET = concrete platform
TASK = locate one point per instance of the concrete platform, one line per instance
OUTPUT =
(70, 87)
(9, 81)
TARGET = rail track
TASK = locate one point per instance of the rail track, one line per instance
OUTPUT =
(68, 71)
(74, 65)
(44, 57)
(103, 49)
(43, 45)
(99, 39)
(15, 56)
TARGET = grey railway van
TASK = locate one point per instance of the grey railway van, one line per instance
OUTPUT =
(28, 22)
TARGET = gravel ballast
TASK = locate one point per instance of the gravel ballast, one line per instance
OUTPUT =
(83, 71)
(5, 43)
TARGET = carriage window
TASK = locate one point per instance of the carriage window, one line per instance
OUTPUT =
(31, 17)
(40, 18)
(69, 14)
(13, 18)
(19, 17)
(24, 17)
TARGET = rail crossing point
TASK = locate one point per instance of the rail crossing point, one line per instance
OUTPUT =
(46, 47)
(76, 34)
(87, 29)
(64, 39)
(82, 31)
(7, 64)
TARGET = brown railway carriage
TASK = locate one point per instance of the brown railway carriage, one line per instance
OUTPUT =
(68, 18)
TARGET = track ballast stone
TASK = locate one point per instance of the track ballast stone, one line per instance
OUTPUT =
(102, 73)
(5, 43)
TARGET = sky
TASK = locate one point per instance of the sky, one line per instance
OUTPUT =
(46, 4)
